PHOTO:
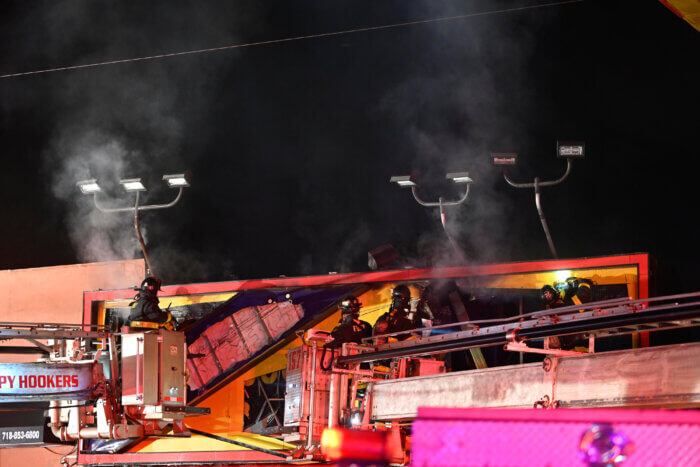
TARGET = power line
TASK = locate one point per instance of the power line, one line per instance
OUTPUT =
(289, 39)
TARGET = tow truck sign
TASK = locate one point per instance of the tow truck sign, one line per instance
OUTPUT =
(22, 381)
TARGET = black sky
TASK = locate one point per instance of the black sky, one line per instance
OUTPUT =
(291, 145)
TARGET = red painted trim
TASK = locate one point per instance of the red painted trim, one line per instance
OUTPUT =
(643, 271)
(641, 259)
(561, 415)
(643, 292)
(672, 8)
(137, 458)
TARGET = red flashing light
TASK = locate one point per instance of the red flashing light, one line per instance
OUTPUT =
(360, 445)
(331, 440)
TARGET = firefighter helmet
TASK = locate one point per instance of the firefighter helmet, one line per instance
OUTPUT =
(151, 284)
(400, 299)
(572, 284)
(401, 291)
(351, 305)
(584, 291)
(549, 294)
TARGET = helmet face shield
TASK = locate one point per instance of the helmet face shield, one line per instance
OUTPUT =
(151, 284)
(350, 306)
(400, 297)
(401, 291)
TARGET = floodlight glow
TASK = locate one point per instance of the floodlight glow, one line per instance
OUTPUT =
(568, 149)
(89, 187)
(176, 180)
(403, 180)
(132, 184)
(459, 177)
(562, 275)
(504, 158)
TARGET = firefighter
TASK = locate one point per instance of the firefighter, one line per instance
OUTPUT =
(145, 312)
(424, 317)
(396, 319)
(550, 297)
(351, 328)
(578, 291)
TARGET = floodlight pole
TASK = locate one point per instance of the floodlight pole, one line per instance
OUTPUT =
(150, 272)
(441, 203)
(537, 185)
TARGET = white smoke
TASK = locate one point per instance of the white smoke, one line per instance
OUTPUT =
(127, 121)
(84, 154)
(467, 97)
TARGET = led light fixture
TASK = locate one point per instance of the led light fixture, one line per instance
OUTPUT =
(176, 180)
(504, 158)
(404, 180)
(132, 184)
(459, 177)
(89, 187)
(562, 275)
(571, 149)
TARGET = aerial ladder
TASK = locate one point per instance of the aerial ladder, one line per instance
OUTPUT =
(653, 377)
(99, 385)
(129, 385)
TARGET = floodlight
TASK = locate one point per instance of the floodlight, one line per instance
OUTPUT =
(459, 177)
(441, 203)
(504, 158)
(562, 275)
(176, 180)
(571, 149)
(89, 187)
(132, 184)
(404, 180)
(135, 185)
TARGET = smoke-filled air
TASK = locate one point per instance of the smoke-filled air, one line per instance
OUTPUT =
(292, 117)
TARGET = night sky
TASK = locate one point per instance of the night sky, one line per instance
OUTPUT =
(291, 145)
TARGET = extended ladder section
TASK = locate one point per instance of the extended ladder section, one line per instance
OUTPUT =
(607, 318)
(664, 376)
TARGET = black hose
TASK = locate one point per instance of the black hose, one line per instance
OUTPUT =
(323, 357)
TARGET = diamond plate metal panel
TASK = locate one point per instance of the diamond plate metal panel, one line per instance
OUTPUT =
(526, 438)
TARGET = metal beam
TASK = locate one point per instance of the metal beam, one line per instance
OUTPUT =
(40, 333)
(21, 350)
(666, 376)
(40, 345)
(622, 319)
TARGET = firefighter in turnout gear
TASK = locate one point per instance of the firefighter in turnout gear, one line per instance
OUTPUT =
(145, 312)
(550, 297)
(396, 319)
(577, 291)
(351, 328)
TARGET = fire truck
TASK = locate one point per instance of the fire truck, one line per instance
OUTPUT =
(249, 377)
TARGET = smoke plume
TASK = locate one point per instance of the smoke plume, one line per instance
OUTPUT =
(125, 121)
(467, 96)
